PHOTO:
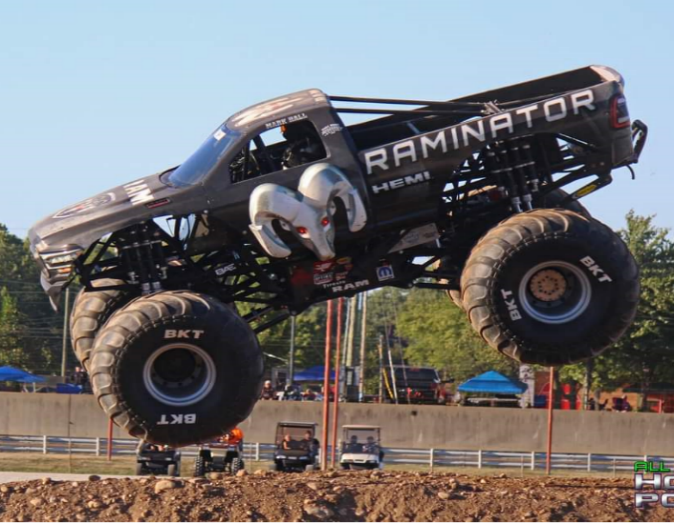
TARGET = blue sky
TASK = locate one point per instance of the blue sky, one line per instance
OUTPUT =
(95, 94)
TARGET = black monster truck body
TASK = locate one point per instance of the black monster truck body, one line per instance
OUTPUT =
(400, 200)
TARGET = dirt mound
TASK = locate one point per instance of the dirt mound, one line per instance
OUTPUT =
(343, 496)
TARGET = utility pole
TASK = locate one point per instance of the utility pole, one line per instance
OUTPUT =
(64, 351)
(589, 367)
(351, 333)
(338, 364)
(291, 358)
(551, 401)
(363, 328)
(326, 388)
(394, 384)
(380, 348)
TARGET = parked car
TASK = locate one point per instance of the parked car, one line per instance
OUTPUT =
(361, 447)
(157, 460)
(296, 446)
(418, 385)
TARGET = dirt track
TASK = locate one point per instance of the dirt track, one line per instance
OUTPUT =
(344, 496)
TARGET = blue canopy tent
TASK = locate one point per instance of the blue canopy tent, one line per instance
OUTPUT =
(493, 382)
(313, 374)
(18, 375)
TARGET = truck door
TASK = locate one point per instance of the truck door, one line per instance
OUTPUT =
(281, 155)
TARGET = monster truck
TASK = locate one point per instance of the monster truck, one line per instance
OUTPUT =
(285, 206)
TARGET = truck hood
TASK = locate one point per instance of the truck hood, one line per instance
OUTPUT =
(57, 240)
(83, 223)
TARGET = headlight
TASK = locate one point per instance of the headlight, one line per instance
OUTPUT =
(51, 260)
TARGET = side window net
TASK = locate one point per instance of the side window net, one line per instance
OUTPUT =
(284, 147)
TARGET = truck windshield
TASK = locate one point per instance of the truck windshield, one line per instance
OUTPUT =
(197, 166)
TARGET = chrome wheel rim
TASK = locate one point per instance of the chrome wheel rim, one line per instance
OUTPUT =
(179, 374)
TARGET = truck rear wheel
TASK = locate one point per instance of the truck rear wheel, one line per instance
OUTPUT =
(176, 368)
(550, 287)
(237, 465)
(90, 312)
(554, 199)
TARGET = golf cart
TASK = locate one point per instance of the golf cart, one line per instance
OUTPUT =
(361, 448)
(156, 460)
(296, 447)
(219, 456)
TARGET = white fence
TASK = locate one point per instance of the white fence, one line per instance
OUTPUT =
(428, 457)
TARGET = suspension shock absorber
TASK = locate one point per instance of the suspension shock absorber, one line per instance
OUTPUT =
(492, 167)
(143, 257)
(529, 165)
(147, 249)
(520, 174)
(506, 167)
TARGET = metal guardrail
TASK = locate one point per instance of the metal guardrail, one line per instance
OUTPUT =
(429, 457)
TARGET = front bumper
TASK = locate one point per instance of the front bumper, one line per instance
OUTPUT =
(57, 268)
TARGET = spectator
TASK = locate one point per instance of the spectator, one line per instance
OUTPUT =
(591, 404)
(287, 443)
(291, 394)
(353, 445)
(79, 378)
(310, 443)
(372, 447)
(626, 404)
(309, 395)
(268, 392)
(234, 436)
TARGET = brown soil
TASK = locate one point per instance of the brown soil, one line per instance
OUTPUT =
(344, 496)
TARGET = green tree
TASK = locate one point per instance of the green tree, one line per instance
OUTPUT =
(438, 334)
(11, 331)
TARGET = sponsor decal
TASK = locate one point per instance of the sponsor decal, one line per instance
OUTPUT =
(224, 270)
(351, 286)
(325, 266)
(138, 192)
(331, 129)
(219, 134)
(477, 132)
(323, 278)
(510, 303)
(264, 110)
(86, 205)
(385, 272)
(399, 183)
(183, 334)
(177, 419)
(595, 269)
(286, 121)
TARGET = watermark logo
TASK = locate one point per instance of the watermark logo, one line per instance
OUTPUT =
(653, 485)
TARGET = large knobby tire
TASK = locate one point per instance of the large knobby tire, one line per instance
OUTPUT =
(176, 368)
(91, 310)
(555, 199)
(237, 465)
(550, 287)
(199, 467)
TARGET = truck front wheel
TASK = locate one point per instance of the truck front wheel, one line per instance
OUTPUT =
(176, 368)
(90, 312)
(550, 287)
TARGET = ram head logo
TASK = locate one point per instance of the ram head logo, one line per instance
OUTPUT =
(307, 213)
